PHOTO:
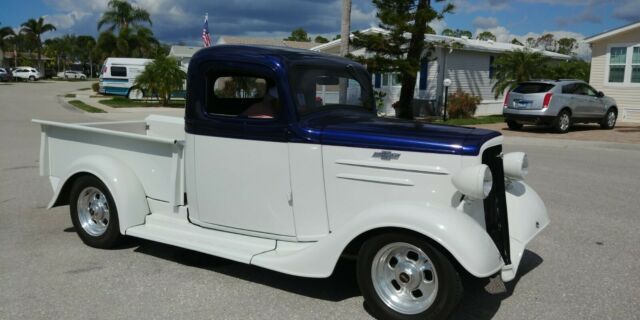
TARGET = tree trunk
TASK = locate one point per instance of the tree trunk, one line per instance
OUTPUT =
(416, 46)
(40, 67)
(345, 32)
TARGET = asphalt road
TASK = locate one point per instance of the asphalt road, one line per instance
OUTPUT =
(585, 265)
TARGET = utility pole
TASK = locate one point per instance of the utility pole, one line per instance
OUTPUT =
(345, 32)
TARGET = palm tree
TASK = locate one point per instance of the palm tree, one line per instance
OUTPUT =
(36, 28)
(122, 14)
(5, 32)
(515, 67)
(161, 77)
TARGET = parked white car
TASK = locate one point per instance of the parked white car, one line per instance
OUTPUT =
(70, 74)
(26, 73)
(262, 172)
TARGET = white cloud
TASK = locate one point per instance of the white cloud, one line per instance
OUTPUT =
(482, 5)
(485, 22)
(504, 35)
(629, 11)
(438, 26)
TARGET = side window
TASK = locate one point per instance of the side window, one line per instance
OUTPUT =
(119, 71)
(243, 96)
(569, 89)
(590, 91)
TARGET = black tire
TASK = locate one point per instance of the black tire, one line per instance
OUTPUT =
(607, 123)
(513, 125)
(563, 122)
(111, 237)
(449, 286)
(32, 78)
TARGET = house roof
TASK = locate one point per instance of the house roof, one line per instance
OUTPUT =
(468, 44)
(266, 42)
(183, 51)
(613, 32)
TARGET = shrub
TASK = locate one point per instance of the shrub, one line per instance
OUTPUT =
(462, 105)
(95, 86)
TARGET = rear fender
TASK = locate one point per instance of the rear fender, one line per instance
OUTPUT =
(455, 231)
(126, 189)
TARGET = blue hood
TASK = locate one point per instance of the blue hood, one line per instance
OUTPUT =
(368, 131)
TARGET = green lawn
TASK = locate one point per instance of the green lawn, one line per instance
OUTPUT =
(122, 102)
(83, 106)
(473, 121)
(70, 95)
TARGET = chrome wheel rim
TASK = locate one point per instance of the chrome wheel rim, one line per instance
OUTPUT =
(404, 278)
(611, 119)
(564, 122)
(93, 211)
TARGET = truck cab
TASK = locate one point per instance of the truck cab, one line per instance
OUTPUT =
(282, 162)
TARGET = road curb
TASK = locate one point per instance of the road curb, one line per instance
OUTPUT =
(567, 143)
(68, 106)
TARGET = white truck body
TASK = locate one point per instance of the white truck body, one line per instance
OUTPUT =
(145, 164)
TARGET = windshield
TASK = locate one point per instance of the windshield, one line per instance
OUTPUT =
(316, 89)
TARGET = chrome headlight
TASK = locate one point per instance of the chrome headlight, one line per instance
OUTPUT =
(474, 182)
(516, 165)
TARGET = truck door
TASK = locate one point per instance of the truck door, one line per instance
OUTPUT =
(240, 164)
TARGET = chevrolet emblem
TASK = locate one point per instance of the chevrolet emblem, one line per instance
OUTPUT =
(386, 155)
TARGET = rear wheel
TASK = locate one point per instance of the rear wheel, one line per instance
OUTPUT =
(609, 120)
(403, 276)
(513, 125)
(94, 213)
(562, 122)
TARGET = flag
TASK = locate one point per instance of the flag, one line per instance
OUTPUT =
(206, 38)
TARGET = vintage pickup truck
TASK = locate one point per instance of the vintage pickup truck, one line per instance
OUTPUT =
(282, 162)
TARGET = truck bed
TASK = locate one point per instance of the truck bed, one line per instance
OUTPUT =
(152, 148)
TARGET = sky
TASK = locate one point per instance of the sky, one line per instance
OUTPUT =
(181, 20)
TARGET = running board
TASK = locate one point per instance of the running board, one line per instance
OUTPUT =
(174, 230)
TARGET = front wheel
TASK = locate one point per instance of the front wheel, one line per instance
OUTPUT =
(94, 213)
(32, 78)
(135, 94)
(403, 276)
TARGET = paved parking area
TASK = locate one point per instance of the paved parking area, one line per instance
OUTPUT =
(583, 266)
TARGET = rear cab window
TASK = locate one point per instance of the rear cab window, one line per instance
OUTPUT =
(533, 87)
(243, 96)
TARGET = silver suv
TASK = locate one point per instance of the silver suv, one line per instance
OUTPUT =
(558, 103)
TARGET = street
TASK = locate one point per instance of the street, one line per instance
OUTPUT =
(583, 266)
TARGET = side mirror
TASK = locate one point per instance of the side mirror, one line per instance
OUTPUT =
(600, 94)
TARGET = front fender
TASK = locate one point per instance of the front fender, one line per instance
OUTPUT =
(124, 185)
(527, 217)
(455, 231)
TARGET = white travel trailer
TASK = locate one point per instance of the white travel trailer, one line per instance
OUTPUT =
(118, 76)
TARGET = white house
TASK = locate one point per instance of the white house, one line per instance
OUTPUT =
(615, 67)
(469, 68)
(183, 54)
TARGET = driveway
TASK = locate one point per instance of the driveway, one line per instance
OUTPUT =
(624, 132)
(583, 266)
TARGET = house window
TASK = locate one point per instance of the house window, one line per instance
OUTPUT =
(385, 79)
(491, 67)
(635, 65)
(617, 64)
(424, 72)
